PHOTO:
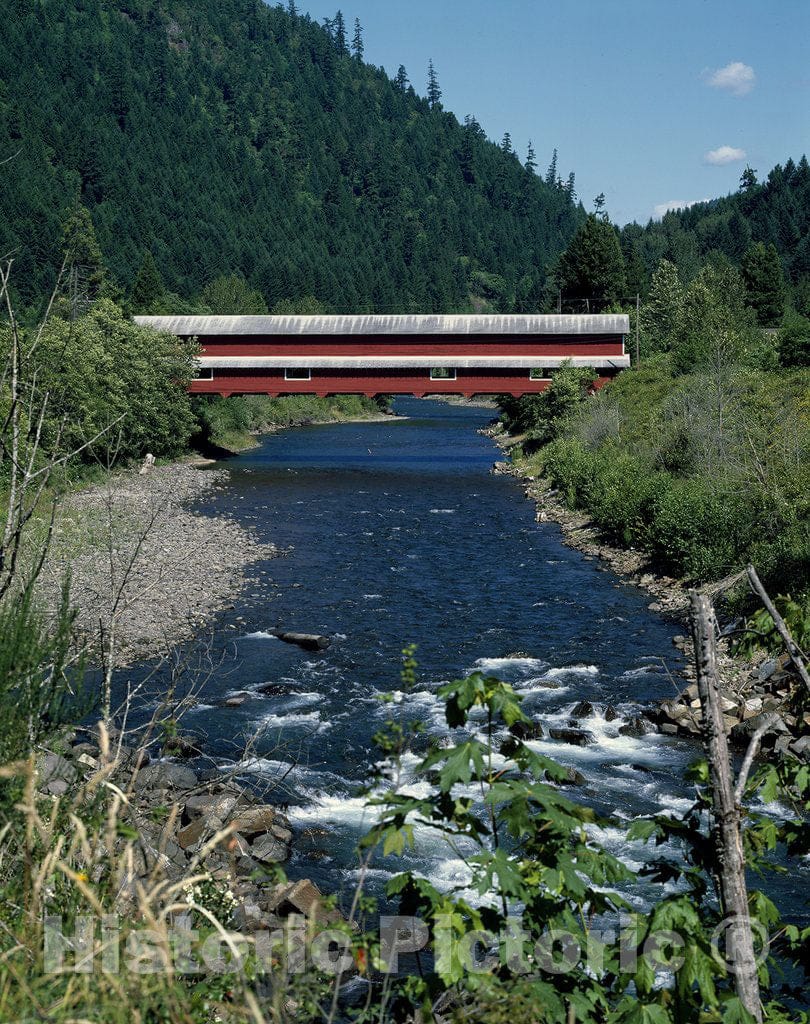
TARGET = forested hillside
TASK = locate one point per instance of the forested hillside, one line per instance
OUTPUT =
(774, 212)
(227, 136)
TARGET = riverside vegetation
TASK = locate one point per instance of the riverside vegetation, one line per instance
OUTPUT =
(699, 456)
(157, 892)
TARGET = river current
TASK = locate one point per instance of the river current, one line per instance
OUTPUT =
(399, 533)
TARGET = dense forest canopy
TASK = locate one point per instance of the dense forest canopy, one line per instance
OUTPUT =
(226, 136)
(774, 213)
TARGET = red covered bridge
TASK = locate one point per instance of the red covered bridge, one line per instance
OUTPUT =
(476, 354)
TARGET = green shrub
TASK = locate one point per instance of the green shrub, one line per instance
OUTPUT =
(622, 493)
(698, 530)
(571, 467)
(117, 385)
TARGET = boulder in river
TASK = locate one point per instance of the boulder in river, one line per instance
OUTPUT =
(236, 700)
(637, 726)
(582, 710)
(576, 737)
(573, 778)
(182, 746)
(527, 730)
(274, 690)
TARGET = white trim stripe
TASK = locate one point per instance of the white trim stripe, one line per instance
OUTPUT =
(408, 362)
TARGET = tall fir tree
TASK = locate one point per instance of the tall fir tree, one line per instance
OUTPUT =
(358, 47)
(434, 93)
(591, 270)
(551, 173)
(531, 159)
(148, 288)
(748, 179)
(506, 144)
(339, 32)
(402, 81)
(764, 283)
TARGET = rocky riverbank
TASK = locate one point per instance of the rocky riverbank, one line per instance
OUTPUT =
(146, 571)
(754, 690)
(226, 839)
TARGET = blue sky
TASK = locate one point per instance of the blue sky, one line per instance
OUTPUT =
(648, 101)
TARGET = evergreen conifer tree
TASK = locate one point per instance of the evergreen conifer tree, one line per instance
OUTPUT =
(551, 173)
(148, 288)
(339, 32)
(358, 47)
(592, 267)
(764, 283)
(402, 81)
(434, 93)
(531, 159)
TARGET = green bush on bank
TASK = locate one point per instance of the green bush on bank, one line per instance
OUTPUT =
(705, 471)
(118, 388)
(230, 423)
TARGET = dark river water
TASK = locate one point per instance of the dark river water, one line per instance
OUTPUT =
(399, 533)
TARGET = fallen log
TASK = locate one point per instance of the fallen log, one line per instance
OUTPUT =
(306, 641)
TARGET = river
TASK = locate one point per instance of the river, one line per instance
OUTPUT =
(399, 533)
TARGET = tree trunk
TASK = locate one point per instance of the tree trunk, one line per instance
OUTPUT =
(726, 811)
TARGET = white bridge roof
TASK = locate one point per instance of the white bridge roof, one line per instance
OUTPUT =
(518, 324)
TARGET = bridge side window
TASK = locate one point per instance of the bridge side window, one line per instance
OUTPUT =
(442, 373)
(298, 374)
(540, 373)
(204, 373)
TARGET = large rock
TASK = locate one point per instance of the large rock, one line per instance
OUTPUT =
(527, 730)
(743, 731)
(801, 747)
(215, 806)
(637, 726)
(582, 710)
(236, 700)
(270, 850)
(302, 897)
(56, 774)
(165, 776)
(182, 746)
(573, 778)
(577, 737)
(256, 821)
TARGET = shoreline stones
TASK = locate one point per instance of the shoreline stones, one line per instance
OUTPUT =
(257, 836)
(178, 567)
